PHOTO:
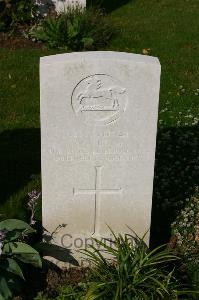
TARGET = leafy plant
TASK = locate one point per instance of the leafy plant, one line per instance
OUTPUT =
(75, 29)
(185, 230)
(72, 292)
(193, 274)
(131, 271)
(69, 292)
(127, 270)
(14, 13)
(13, 253)
(185, 237)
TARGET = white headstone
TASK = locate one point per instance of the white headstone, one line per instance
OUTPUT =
(98, 129)
(60, 5)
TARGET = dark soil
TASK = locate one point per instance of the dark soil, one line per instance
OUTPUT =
(70, 276)
(49, 281)
(17, 42)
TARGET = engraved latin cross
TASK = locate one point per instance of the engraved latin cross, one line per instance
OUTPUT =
(97, 192)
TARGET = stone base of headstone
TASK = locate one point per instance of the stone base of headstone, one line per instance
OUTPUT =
(70, 250)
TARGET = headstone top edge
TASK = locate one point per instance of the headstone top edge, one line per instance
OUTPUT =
(131, 57)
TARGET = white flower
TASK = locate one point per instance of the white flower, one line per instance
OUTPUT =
(2, 235)
(34, 195)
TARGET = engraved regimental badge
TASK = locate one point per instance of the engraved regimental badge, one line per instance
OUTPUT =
(99, 99)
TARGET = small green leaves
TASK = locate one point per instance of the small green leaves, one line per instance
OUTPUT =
(16, 13)
(13, 251)
(88, 42)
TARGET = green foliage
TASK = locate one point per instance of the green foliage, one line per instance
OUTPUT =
(125, 269)
(193, 273)
(131, 271)
(13, 252)
(75, 29)
(69, 292)
(72, 292)
(185, 237)
(41, 296)
(62, 292)
(176, 47)
(14, 13)
(185, 229)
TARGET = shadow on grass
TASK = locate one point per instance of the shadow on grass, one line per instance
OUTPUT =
(176, 176)
(108, 5)
(19, 159)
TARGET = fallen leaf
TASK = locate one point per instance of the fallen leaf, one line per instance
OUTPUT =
(146, 51)
(197, 236)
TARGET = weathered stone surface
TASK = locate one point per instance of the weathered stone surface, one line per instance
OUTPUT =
(98, 127)
(60, 5)
(63, 5)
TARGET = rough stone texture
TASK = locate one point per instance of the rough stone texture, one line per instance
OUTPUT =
(98, 126)
(63, 5)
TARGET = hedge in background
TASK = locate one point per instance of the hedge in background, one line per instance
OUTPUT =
(15, 13)
(74, 30)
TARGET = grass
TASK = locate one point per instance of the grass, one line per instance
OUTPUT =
(166, 29)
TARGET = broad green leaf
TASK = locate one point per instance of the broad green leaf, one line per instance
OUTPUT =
(14, 224)
(32, 259)
(24, 253)
(18, 248)
(5, 292)
(10, 265)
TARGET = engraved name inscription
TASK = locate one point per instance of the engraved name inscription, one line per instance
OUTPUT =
(93, 157)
